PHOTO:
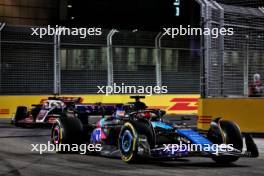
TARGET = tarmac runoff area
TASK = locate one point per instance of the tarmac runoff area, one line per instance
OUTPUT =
(16, 158)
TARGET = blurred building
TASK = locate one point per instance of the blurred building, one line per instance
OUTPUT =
(29, 12)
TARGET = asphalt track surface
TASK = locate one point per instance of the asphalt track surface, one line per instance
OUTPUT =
(16, 158)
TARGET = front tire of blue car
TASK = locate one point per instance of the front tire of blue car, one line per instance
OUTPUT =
(127, 143)
(232, 135)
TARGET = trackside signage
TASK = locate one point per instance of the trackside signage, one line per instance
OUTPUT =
(172, 103)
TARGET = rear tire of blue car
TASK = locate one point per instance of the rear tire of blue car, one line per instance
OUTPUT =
(232, 135)
(67, 131)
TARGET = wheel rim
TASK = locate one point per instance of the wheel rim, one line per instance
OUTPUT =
(126, 141)
(56, 135)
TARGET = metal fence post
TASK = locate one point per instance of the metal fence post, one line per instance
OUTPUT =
(158, 59)
(202, 59)
(110, 79)
(207, 48)
(2, 25)
(246, 62)
(221, 49)
(57, 74)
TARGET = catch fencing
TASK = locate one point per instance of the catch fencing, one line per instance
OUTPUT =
(231, 61)
(73, 65)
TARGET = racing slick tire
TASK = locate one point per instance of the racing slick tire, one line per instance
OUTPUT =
(232, 135)
(67, 130)
(128, 140)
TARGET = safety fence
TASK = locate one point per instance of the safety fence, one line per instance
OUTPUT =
(31, 65)
(73, 65)
(247, 3)
(230, 62)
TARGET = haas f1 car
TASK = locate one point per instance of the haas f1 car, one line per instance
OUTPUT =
(44, 113)
(132, 131)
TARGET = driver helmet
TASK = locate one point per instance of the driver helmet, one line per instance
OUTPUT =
(256, 77)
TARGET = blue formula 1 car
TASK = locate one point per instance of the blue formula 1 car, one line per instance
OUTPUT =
(131, 133)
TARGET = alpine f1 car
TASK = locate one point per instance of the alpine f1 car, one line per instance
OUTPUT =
(44, 113)
(133, 133)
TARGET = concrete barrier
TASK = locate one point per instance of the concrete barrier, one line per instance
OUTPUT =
(248, 113)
